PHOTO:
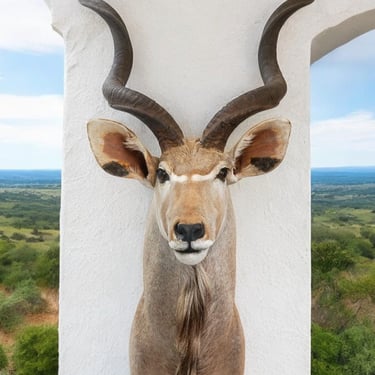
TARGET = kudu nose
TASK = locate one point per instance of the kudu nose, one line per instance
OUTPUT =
(189, 232)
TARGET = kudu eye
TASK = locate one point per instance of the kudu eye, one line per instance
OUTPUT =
(222, 175)
(162, 175)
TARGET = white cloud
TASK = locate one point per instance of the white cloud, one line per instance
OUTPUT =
(31, 107)
(346, 141)
(25, 25)
(36, 121)
(43, 135)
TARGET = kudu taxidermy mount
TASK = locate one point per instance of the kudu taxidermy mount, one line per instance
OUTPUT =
(186, 321)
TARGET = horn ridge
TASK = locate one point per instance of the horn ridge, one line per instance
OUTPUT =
(268, 96)
(122, 98)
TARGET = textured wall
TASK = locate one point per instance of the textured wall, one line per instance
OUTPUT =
(192, 57)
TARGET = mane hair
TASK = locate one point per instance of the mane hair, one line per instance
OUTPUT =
(191, 314)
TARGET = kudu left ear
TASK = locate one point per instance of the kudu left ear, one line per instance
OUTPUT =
(261, 149)
(120, 153)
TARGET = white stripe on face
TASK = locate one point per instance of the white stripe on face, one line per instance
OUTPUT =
(195, 177)
(176, 178)
(204, 177)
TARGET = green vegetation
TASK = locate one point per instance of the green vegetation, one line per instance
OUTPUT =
(25, 300)
(36, 351)
(29, 267)
(343, 279)
(35, 209)
(3, 359)
(343, 274)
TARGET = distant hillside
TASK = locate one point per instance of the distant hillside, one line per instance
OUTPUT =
(330, 176)
(34, 178)
(343, 175)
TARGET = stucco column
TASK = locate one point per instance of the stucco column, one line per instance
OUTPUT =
(192, 57)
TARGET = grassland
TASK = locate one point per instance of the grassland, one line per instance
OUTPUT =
(343, 282)
(29, 262)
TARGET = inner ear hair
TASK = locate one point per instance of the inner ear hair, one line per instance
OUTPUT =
(262, 148)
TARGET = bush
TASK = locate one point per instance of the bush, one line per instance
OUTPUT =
(365, 231)
(361, 288)
(372, 239)
(3, 359)
(26, 299)
(363, 247)
(47, 269)
(18, 236)
(36, 351)
(15, 275)
(16, 265)
(329, 255)
(358, 350)
(9, 314)
(329, 310)
(325, 351)
(321, 232)
(348, 353)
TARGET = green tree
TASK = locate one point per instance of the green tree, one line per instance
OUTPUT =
(325, 351)
(358, 350)
(36, 351)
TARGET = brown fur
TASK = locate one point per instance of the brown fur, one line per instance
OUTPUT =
(186, 321)
(191, 317)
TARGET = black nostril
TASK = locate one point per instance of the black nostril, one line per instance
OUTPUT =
(189, 232)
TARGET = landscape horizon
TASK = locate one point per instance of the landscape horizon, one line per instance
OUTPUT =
(342, 259)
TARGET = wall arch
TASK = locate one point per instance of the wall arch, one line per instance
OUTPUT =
(334, 36)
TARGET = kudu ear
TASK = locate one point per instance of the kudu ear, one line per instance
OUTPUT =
(261, 149)
(120, 153)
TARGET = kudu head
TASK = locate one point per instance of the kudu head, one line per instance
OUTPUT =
(191, 177)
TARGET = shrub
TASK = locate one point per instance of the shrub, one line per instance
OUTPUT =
(365, 231)
(26, 299)
(47, 268)
(18, 236)
(321, 232)
(10, 316)
(330, 310)
(348, 353)
(17, 265)
(325, 351)
(36, 351)
(329, 254)
(363, 287)
(372, 239)
(363, 247)
(3, 359)
(358, 350)
(15, 275)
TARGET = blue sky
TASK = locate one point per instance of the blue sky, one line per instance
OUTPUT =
(343, 105)
(31, 95)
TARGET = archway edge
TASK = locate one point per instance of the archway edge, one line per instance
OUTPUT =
(336, 33)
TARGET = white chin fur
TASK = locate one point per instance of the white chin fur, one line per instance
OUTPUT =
(191, 259)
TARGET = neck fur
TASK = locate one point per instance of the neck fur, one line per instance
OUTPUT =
(192, 290)
(191, 315)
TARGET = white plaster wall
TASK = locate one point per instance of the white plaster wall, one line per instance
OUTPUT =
(192, 57)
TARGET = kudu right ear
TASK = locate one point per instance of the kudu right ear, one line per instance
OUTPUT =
(120, 153)
(262, 148)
